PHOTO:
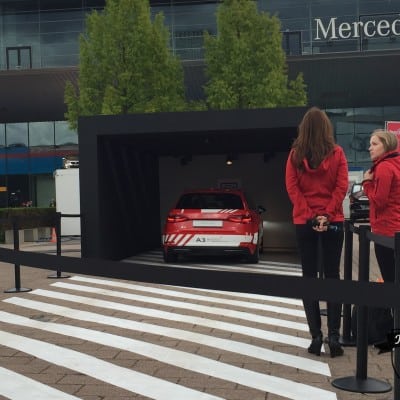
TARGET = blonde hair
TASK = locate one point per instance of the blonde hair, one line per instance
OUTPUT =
(388, 139)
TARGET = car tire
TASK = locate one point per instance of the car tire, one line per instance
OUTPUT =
(254, 258)
(169, 257)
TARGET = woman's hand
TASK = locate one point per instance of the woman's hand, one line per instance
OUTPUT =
(368, 175)
(322, 223)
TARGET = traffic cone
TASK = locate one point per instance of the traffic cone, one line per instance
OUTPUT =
(53, 236)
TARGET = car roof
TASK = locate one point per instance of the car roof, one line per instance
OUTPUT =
(213, 190)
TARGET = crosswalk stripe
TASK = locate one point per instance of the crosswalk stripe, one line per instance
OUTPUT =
(154, 313)
(16, 387)
(219, 267)
(249, 296)
(124, 378)
(193, 362)
(180, 334)
(209, 298)
(157, 255)
(181, 305)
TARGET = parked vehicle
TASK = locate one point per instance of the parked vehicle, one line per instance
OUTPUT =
(213, 221)
(359, 203)
(70, 162)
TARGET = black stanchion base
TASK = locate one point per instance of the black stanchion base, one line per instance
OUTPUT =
(368, 385)
(58, 276)
(16, 290)
(347, 342)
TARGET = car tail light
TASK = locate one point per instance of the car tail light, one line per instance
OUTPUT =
(240, 218)
(176, 218)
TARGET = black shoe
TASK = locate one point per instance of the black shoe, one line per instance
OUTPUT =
(315, 346)
(335, 347)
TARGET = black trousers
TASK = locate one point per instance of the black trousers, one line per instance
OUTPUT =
(320, 254)
(385, 258)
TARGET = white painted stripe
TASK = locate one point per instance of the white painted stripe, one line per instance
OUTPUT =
(262, 266)
(242, 267)
(249, 296)
(180, 334)
(154, 313)
(191, 296)
(192, 362)
(107, 372)
(297, 267)
(177, 304)
(16, 387)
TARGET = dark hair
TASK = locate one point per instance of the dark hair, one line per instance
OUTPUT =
(314, 140)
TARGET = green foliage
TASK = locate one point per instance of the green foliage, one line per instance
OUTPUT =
(126, 65)
(245, 63)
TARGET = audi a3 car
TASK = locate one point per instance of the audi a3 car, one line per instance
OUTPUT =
(359, 203)
(213, 222)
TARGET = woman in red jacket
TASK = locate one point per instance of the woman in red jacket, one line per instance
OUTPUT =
(382, 186)
(317, 182)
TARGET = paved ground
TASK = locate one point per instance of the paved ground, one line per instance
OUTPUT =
(76, 338)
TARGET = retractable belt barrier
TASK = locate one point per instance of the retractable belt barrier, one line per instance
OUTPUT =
(361, 293)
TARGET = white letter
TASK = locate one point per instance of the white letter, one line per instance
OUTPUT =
(356, 26)
(394, 23)
(397, 339)
(344, 30)
(331, 27)
(383, 24)
(366, 33)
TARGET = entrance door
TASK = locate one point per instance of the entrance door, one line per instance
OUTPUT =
(19, 57)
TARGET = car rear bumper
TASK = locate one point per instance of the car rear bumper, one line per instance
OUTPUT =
(209, 250)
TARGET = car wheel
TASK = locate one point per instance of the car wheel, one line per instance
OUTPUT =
(254, 258)
(261, 250)
(169, 257)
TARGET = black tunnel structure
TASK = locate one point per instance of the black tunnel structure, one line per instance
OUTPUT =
(119, 166)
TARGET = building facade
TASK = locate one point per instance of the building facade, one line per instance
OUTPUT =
(348, 51)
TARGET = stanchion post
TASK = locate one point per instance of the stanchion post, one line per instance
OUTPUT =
(361, 383)
(17, 267)
(57, 227)
(347, 338)
(362, 311)
(397, 316)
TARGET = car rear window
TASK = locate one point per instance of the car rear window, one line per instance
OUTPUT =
(210, 201)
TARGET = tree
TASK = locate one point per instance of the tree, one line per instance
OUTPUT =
(126, 65)
(245, 63)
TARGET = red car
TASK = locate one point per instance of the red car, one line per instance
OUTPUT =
(213, 221)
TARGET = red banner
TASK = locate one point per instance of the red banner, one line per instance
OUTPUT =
(394, 126)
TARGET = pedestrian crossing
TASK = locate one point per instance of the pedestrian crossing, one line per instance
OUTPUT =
(155, 258)
(143, 341)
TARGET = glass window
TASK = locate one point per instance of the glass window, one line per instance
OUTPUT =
(41, 134)
(2, 135)
(2, 152)
(17, 148)
(64, 135)
(17, 135)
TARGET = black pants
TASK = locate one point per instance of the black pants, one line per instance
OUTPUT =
(320, 254)
(385, 258)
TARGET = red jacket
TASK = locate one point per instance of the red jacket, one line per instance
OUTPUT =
(318, 191)
(384, 195)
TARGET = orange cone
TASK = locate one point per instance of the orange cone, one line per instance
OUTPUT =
(53, 236)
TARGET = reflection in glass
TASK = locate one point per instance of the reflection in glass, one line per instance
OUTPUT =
(17, 135)
(41, 134)
(64, 135)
